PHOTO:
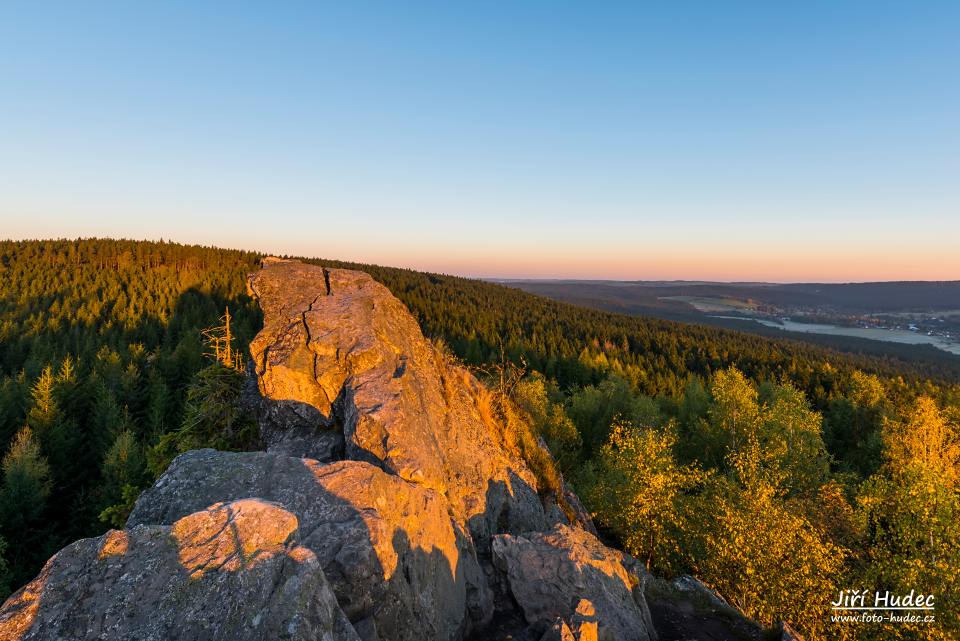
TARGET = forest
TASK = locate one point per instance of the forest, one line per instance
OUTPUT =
(778, 472)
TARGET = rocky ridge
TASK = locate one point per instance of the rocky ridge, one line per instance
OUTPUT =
(387, 505)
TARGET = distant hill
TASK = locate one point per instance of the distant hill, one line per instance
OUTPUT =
(719, 305)
(897, 296)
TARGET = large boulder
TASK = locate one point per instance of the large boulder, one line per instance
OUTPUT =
(338, 352)
(399, 565)
(686, 608)
(231, 572)
(566, 575)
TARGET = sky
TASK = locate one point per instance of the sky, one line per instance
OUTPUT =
(813, 141)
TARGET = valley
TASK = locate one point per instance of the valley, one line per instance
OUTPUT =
(920, 315)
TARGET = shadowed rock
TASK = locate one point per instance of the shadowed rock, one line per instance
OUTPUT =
(338, 351)
(684, 608)
(231, 572)
(550, 574)
(388, 547)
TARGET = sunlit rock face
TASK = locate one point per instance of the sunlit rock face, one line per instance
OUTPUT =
(395, 558)
(338, 349)
(233, 536)
(233, 571)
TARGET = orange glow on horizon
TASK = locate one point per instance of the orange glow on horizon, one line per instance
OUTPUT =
(772, 265)
(664, 257)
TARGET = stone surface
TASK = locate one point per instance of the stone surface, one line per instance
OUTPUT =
(554, 515)
(389, 548)
(584, 623)
(231, 572)
(550, 573)
(338, 351)
(698, 590)
(685, 608)
(559, 631)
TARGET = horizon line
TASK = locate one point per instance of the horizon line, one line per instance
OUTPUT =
(476, 276)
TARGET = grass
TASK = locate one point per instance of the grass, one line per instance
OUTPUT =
(502, 417)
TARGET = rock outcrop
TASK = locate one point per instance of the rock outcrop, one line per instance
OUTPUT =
(389, 505)
(566, 574)
(233, 571)
(395, 558)
(339, 353)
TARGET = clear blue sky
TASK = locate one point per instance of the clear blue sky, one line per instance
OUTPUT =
(726, 140)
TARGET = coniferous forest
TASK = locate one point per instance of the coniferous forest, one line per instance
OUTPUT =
(776, 471)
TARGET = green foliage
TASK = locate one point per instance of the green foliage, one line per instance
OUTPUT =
(213, 417)
(123, 474)
(549, 421)
(504, 405)
(733, 418)
(5, 574)
(26, 483)
(735, 415)
(759, 516)
(763, 556)
(792, 433)
(742, 521)
(100, 338)
(753, 540)
(852, 424)
(116, 514)
(912, 511)
(23, 499)
(637, 489)
(594, 408)
(865, 390)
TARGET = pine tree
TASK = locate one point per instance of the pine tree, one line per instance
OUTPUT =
(43, 411)
(26, 485)
(6, 576)
(104, 424)
(56, 434)
(123, 476)
(158, 405)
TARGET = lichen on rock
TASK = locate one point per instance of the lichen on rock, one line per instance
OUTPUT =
(234, 571)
